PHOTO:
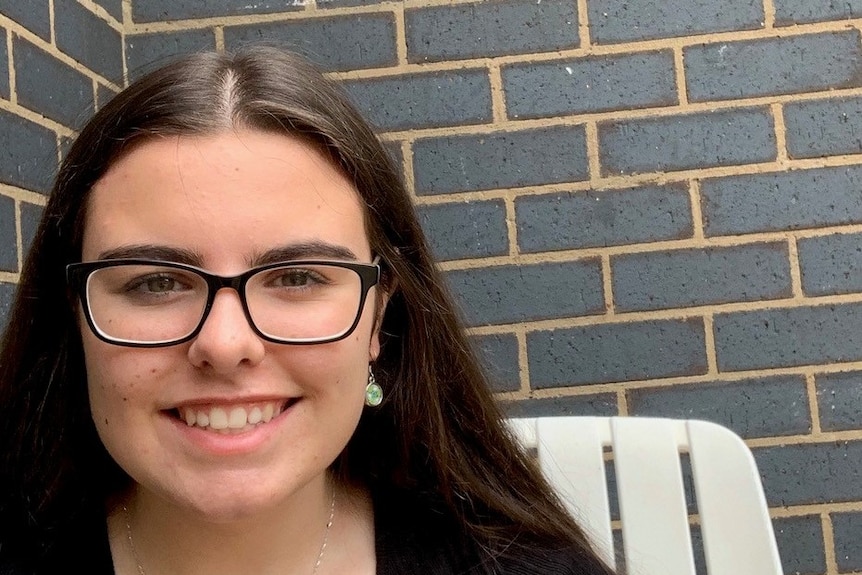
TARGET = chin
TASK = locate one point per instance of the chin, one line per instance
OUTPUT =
(223, 509)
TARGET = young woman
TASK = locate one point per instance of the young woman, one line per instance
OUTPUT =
(231, 352)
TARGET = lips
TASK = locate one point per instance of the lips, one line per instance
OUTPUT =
(232, 418)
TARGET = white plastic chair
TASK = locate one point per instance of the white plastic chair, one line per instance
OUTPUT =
(736, 529)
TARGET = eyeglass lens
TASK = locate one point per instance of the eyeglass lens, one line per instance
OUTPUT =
(152, 304)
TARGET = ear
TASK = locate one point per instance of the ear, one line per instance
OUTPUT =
(384, 292)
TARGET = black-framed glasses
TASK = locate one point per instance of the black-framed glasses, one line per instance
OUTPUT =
(150, 303)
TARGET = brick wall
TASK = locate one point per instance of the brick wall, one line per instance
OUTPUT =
(645, 206)
(58, 61)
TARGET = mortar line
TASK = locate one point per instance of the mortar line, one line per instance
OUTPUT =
(780, 133)
(511, 226)
(709, 344)
(584, 25)
(697, 232)
(679, 70)
(13, 80)
(608, 286)
(768, 14)
(400, 35)
(51, 24)
(622, 403)
(523, 361)
(218, 34)
(829, 543)
(795, 268)
(498, 96)
(813, 403)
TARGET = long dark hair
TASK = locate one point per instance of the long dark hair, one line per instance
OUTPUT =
(438, 435)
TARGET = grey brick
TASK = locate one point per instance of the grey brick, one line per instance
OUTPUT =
(616, 352)
(572, 220)
(145, 52)
(89, 40)
(28, 153)
(839, 398)
(846, 528)
(811, 473)
(32, 14)
(336, 43)
(8, 235)
(748, 69)
(436, 99)
(499, 356)
(483, 29)
(7, 294)
(823, 127)
(789, 12)
(50, 87)
(692, 277)
(510, 294)
(30, 216)
(701, 140)
(600, 404)
(831, 264)
(103, 95)
(165, 10)
(500, 160)
(4, 66)
(466, 230)
(800, 544)
(759, 407)
(591, 84)
(782, 201)
(112, 7)
(613, 21)
(788, 337)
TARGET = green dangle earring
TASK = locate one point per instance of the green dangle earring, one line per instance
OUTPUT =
(373, 391)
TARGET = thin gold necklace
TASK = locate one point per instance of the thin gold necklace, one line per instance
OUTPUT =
(313, 571)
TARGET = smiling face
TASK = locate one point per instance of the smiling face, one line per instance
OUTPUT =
(226, 203)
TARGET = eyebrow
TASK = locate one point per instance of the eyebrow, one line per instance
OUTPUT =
(153, 252)
(298, 251)
(304, 250)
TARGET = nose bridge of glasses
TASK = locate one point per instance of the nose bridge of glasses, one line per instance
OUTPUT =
(218, 283)
(236, 283)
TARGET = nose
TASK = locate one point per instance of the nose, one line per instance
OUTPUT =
(226, 340)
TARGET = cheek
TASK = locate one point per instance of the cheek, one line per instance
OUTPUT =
(118, 378)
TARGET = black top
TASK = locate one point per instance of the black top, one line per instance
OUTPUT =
(407, 542)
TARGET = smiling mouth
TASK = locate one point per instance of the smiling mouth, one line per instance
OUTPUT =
(234, 418)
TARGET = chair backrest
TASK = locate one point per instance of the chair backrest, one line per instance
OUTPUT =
(734, 520)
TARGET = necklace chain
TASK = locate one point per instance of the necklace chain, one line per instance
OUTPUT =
(313, 571)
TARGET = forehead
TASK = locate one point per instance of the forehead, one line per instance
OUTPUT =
(228, 195)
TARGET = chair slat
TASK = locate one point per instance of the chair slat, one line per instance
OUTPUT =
(656, 537)
(570, 452)
(738, 537)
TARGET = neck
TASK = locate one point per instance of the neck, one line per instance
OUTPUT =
(285, 539)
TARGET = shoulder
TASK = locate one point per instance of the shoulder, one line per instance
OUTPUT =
(416, 538)
(413, 538)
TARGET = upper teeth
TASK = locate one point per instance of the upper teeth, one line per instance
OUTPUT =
(236, 417)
